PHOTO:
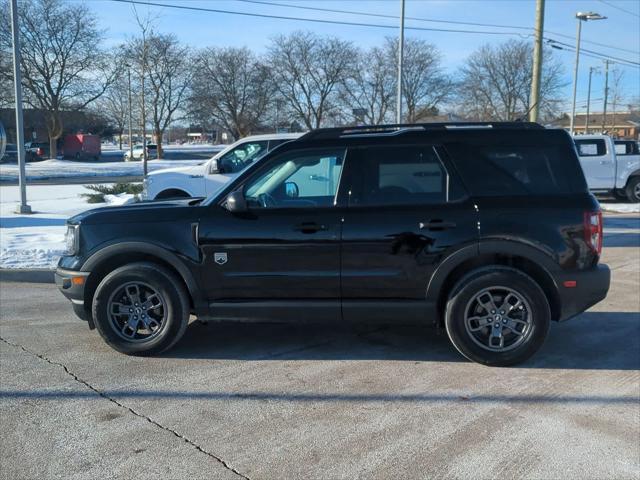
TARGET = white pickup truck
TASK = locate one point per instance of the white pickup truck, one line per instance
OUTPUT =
(202, 180)
(611, 167)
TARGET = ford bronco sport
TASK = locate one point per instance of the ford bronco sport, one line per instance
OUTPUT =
(488, 231)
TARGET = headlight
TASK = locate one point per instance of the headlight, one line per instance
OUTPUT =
(72, 239)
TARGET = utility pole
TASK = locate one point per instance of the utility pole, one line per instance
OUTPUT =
(606, 93)
(400, 58)
(17, 83)
(586, 123)
(537, 63)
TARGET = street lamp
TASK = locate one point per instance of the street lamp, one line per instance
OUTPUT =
(580, 17)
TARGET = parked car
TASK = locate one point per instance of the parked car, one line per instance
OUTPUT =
(10, 153)
(152, 152)
(203, 180)
(488, 231)
(607, 172)
(81, 146)
(36, 151)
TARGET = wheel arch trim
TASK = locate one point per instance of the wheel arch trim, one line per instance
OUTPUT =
(133, 247)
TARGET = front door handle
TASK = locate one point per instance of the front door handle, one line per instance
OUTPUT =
(436, 225)
(309, 227)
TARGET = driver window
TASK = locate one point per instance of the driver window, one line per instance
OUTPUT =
(298, 179)
(241, 156)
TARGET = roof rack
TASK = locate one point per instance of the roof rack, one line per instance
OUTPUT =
(401, 128)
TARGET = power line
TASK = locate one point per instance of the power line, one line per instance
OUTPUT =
(360, 24)
(590, 53)
(421, 19)
(314, 20)
(619, 8)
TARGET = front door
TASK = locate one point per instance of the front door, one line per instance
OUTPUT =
(405, 214)
(284, 253)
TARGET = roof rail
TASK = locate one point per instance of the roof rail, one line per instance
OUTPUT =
(401, 128)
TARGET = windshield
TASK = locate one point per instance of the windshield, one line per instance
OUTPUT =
(240, 157)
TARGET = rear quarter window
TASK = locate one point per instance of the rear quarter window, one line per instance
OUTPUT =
(505, 170)
(591, 148)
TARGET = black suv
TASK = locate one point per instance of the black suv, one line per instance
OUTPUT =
(486, 230)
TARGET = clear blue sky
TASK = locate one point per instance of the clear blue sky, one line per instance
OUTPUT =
(200, 29)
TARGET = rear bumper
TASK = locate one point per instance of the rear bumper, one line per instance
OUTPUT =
(73, 290)
(591, 287)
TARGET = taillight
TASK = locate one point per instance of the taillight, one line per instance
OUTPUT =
(593, 230)
(39, 152)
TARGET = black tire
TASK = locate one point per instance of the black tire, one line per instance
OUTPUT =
(633, 189)
(173, 193)
(499, 278)
(161, 280)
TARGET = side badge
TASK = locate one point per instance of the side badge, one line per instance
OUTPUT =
(220, 258)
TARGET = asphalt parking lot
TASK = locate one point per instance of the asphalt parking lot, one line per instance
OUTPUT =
(286, 401)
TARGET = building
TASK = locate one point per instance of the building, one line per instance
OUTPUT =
(618, 124)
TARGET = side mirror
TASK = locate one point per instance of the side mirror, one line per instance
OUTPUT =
(235, 202)
(291, 189)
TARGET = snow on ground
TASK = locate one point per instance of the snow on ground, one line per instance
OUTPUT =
(620, 207)
(68, 169)
(37, 241)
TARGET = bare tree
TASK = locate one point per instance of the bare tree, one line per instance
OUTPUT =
(63, 66)
(168, 80)
(307, 70)
(496, 82)
(232, 88)
(114, 105)
(424, 84)
(371, 88)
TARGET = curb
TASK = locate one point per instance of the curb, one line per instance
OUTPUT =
(27, 276)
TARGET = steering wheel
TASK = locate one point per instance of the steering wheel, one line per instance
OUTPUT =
(266, 200)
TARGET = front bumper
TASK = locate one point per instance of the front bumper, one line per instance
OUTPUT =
(591, 287)
(72, 283)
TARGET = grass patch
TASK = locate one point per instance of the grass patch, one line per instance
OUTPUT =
(115, 189)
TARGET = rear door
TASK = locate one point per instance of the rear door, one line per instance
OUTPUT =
(406, 212)
(598, 162)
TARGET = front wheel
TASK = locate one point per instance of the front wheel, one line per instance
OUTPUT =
(633, 189)
(497, 316)
(141, 309)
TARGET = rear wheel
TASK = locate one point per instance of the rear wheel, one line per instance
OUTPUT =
(497, 316)
(633, 189)
(141, 309)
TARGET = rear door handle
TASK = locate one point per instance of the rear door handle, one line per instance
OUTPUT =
(310, 227)
(436, 225)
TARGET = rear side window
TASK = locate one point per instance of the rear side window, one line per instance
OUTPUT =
(399, 175)
(626, 148)
(591, 148)
(513, 169)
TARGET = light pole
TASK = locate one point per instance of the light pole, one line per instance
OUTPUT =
(400, 55)
(580, 17)
(17, 83)
(130, 114)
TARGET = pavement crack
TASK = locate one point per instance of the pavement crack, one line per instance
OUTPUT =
(121, 405)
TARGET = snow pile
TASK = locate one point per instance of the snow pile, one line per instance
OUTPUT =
(37, 241)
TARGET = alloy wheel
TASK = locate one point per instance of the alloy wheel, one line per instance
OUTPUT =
(137, 312)
(498, 319)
